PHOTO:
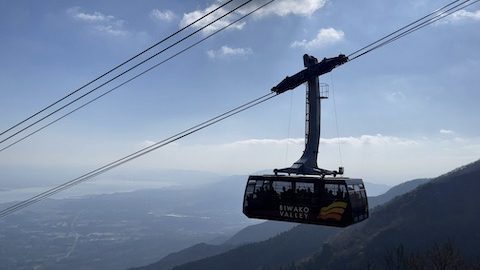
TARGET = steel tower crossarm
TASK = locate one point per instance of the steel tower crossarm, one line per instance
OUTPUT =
(314, 70)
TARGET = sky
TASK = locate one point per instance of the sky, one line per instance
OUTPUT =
(407, 110)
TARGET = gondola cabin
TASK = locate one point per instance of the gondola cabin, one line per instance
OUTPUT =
(331, 201)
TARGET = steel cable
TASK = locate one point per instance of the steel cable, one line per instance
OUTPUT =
(20, 205)
(117, 67)
(135, 155)
(134, 77)
(122, 73)
(412, 27)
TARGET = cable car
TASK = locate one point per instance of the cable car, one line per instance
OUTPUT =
(305, 193)
(328, 201)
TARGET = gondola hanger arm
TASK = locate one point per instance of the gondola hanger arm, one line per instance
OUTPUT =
(322, 67)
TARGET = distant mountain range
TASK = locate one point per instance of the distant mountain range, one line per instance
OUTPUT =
(280, 250)
(421, 224)
(259, 232)
(250, 234)
(375, 189)
(395, 191)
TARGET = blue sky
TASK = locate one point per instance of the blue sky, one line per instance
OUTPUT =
(407, 110)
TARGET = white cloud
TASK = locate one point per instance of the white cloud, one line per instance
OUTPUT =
(110, 29)
(162, 15)
(146, 143)
(94, 17)
(364, 140)
(288, 7)
(190, 17)
(461, 16)
(226, 51)
(99, 22)
(396, 96)
(324, 37)
(255, 142)
(446, 131)
(371, 140)
(279, 8)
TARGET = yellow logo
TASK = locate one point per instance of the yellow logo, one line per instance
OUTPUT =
(333, 211)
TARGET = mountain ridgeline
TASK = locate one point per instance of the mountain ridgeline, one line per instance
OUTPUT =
(395, 191)
(419, 224)
(250, 234)
(278, 251)
(444, 210)
(273, 253)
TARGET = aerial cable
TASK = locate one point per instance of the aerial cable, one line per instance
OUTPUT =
(136, 76)
(336, 123)
(414, 27)
(422, 25)
(439, 16)
(117, 67)
(137, 154)
(16, 207)
(350, 56)
(402, 28)
(128, 70)
(289, 126)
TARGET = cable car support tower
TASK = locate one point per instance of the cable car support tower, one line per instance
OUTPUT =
(307, 164)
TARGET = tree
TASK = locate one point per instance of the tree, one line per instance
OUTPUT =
(446, 257)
